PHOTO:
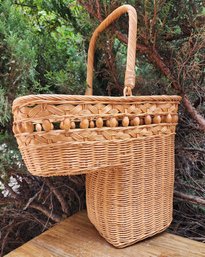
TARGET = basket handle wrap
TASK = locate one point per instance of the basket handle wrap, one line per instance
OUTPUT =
(129, 82)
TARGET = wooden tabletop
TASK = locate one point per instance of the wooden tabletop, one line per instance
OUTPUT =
(76, 237)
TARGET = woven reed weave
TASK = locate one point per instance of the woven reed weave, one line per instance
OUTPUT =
(124, 145)
(76, 151)
(133, 202)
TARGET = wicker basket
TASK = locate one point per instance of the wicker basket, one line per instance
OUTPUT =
(125, 145)
(67, 135)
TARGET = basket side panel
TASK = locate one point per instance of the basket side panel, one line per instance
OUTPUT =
(135, 201)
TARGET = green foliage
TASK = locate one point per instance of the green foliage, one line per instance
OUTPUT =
(4, 107)
(43, 47)
(41, 52)
(19, 54)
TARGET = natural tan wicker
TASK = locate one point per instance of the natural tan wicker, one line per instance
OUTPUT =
(133, 202)
(125, 145)
(65, 135)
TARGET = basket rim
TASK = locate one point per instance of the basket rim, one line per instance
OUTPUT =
(55, 98)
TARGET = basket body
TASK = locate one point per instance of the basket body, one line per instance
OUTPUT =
(53, 140)
(128, 157)
(134, 202)
(124, 145)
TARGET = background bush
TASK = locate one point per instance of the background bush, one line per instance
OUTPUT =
(43, 47)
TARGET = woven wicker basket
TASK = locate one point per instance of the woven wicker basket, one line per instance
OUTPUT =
(125, 145)
(65, 135)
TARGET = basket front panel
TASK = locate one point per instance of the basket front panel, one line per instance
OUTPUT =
(74, 158)
(70, 159)
(135, 201)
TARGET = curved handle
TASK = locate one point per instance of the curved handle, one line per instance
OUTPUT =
(129, 82)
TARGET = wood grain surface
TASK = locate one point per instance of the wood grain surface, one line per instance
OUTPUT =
(76, 237)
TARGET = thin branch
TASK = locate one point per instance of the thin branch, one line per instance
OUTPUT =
(139, 47)
(190, 198)
(46, 212)
(58, 195)
(146, 22)
(195, 149)
(155, 58)
(111, 65)
(37, 206)
(98, 11)
(4, 241)
(153, 23)
(172, 37)
(193, 113)
(76, 194)
(31, 200)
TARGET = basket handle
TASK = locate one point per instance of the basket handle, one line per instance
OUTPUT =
(129, 82)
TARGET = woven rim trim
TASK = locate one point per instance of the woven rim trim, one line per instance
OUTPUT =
(46, 98)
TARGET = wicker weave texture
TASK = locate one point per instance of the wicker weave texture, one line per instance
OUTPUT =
(133, 202)
(68, 135)
(50, 146)
(124, 145)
